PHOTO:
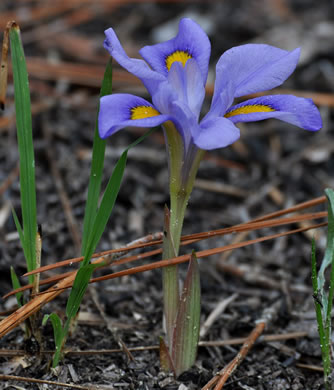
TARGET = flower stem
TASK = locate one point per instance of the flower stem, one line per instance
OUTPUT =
(183, 165)
(170, 275)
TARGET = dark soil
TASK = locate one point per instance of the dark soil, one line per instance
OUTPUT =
(272, 167)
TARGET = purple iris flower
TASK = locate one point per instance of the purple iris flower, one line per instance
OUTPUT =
(175, 73)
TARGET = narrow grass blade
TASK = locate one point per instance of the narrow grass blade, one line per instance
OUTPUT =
(317, 303)
(78, 289)
(327, 260)
(57, 326)
(328, 313)
(94, 186)
(18, 227)
(323, 301)
(16, 284)
(85, 271)
(108, 201)
(186, 333)
(73, 303)
(58, 334)
(25, 144)
(329, 253)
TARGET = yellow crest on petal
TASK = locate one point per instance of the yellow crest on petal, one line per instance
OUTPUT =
(249, 109)
(141, 112)
(178, 55)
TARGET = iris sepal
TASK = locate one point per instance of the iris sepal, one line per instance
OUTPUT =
(123, 107)
(298, 111)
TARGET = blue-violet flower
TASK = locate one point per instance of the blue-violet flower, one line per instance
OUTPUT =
(175, 73)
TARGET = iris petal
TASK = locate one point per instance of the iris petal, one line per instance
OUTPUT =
(185, 121)
(216, 133)
(137, 67)
(295, 110)
(254, 68)
(190, 42)
(167, 100)
(120, 110)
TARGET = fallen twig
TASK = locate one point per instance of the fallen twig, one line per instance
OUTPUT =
(220, 379)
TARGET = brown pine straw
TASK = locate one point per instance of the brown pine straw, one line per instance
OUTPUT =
(220, 379)
(42, 381)
(36, 303)
(201, 254)
(259, 223)
(186, 240)
(66, 280)
(41, 299)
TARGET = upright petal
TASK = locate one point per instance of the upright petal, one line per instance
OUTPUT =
(254, 68)
(186, 82)
(190, 42)
(298, 111)
(137, 67)
(185, 121)
(216, 133)
(167, 101)
(120, 110)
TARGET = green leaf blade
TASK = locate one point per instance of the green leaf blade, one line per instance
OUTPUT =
(186, 333)
(330, 239)
(56, 325)
(79, 287)
(26, 149)
(59, 334)
(18, 227)
(16, 284)
(95, 179)
(108, 201)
